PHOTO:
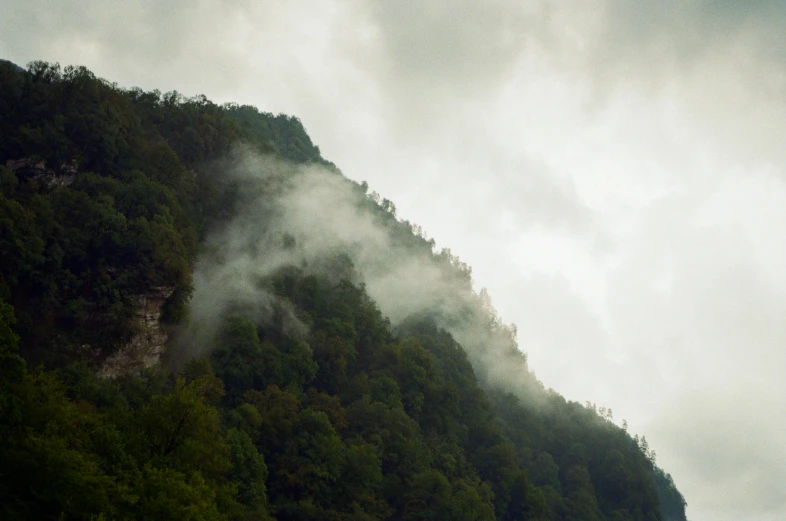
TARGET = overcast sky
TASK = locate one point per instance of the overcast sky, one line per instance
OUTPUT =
(613, 171)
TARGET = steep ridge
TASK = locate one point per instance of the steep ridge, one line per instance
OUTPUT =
(324, 362)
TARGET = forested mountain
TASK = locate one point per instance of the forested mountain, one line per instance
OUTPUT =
(320, 359)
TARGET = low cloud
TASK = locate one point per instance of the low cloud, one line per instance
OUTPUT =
(324, 215)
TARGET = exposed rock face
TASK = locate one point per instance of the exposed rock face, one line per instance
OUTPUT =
(148, 344)
(38, 171)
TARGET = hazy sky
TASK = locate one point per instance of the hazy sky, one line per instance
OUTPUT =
(613, 171)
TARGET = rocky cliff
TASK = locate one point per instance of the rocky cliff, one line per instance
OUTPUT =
(149, 341)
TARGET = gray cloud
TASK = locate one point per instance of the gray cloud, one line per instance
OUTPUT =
(683, 34)
(453, 47)
(728, 442)
(694, 301)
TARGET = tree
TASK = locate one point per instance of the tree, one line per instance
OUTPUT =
(249, 472)
(241, 361)
(13, 371)
(180, 430)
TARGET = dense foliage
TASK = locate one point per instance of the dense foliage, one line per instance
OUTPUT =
(107, 194)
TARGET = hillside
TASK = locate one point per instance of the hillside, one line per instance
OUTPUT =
(202, 318)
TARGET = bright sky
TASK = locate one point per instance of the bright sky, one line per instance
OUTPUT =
(613, 171)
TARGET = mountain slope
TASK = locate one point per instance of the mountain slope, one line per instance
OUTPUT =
(325, 362)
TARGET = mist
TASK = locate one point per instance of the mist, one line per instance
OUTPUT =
(288, 215)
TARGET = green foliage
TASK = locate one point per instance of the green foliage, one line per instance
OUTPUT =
(182, 431)
(242, 361)
(672, 503)
(249, 472)
(281, 134)
(102, 201)
(165, 493)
